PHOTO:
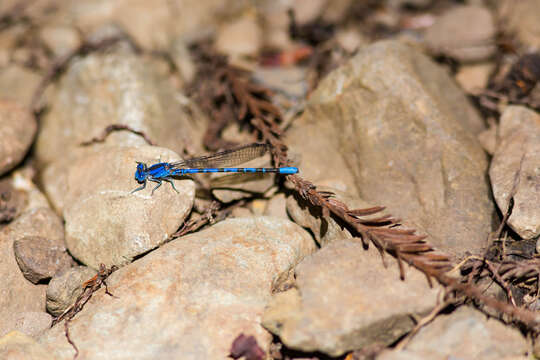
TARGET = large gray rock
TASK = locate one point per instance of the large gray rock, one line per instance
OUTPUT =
(22, 304)
(18, 83)
(151, 24)
(190, 298)
(466, 33)
(18, 346)
(515, 169)
(393, 128)
(116, 88)
(65, 287)
(17, 294)
(105, 222)
(464, 334)
(346, 299)
(520, 18)
(17, 130)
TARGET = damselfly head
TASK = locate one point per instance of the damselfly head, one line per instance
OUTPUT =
(141, 173)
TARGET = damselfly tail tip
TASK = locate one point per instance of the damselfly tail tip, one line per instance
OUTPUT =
(288, 170)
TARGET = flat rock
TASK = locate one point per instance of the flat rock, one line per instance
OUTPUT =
(515, 169)
(17, 130)
(151, 25)
(466, 33)
(391, 127)
(118, 87)
(242, 37)
(474, 78)
(18, 346)
(32, 323)
(39, 258)
(65, 287)
(520, 18)
(192, 297)
(346, 299)
(12, 201)
(105, 222)
(17, 294)
(60, 40)
(463, 334)
(18, 83)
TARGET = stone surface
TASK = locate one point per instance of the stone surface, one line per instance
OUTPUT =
(17, 130)
(291, 81)
(474, 78)
(12, 201)
(231, 187)
(392, 128)
(463, 334)
(105, 222)
(241, 37)
(60, 40)
(116, 88)
(18, 295)
(32, 323)
(515, 169)
(151, 25)
(276, 206)
(191, 297)
(521, 19)
(466, 33)
(18, 83)
(39, 258)
(65, 287)
(345, 299)
(18, 346)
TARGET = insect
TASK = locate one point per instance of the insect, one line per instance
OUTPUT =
(165, 171)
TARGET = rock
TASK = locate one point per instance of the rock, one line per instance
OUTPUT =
(474, 78)
(60, 40)
(17, 130)
(18, 83)
(463, 334)
(12, 201)
(392, 128)
(231, 187)
(306, 11)
(183, 61)
(32, 323)
(241, 37)
(18, 295)
(324, 229)
(515, 169)
(466, 33)
(488, 139)
(276, 207)
(151, 25)
(21, 181)
(115, 88)
(9, 37)
(18, 346)
(291, 81)
(105, 222)
(192, 296)
(520, 18)
(39, 258)
(65, 287)
(346, 299)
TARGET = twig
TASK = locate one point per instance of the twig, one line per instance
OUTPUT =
(89, 288)
(423, 322)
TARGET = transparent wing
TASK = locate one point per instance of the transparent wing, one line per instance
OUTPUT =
(225, 158)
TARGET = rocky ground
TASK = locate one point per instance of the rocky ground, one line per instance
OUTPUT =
(411, 231)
